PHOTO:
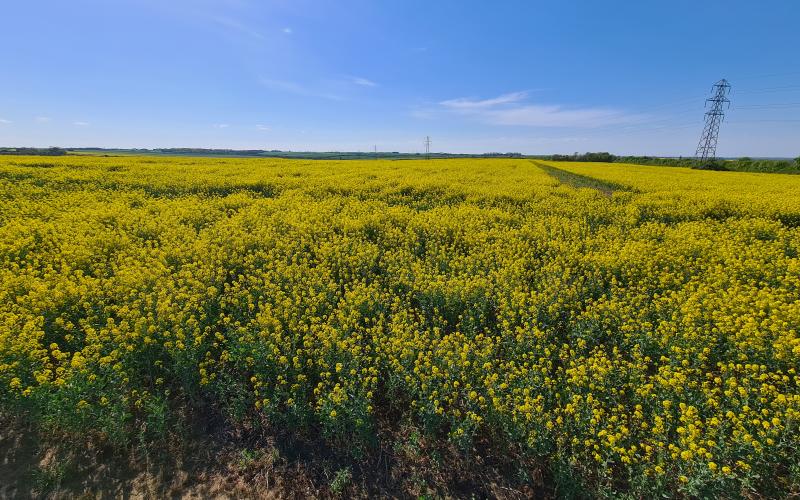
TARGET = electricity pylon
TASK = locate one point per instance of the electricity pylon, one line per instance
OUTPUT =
(707, 147)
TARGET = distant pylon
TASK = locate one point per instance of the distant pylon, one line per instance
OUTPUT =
(707, 147)
(427, 147)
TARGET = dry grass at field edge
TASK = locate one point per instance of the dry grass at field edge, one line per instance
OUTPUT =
(219, 463)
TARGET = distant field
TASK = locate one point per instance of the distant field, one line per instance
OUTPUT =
(299, 155)
(501, 326)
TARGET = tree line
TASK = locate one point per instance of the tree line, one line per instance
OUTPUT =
(743, 164)
(33, 151)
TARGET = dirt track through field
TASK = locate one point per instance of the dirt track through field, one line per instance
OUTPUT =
(580, 181)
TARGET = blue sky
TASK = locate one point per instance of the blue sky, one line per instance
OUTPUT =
(628, 77)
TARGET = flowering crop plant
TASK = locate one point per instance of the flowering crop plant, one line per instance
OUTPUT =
(643, 337)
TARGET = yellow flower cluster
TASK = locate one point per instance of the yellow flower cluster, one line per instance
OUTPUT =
(650, 336)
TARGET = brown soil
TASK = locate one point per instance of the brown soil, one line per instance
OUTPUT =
(227, 465)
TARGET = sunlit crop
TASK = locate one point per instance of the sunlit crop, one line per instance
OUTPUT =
(644, 338)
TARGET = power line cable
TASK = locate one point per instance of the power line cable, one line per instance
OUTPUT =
(769, 90)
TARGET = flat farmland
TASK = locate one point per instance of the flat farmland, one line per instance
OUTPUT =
(554, 328)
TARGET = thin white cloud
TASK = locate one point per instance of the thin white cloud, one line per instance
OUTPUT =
(422, 113)
(43, 119)
(363, 82)
(464, 103)
(557, 116)
(263, 128)
(4, 121)
(221, 125)
(238, 27)
(288, 31)
(81, 124)
(510, 109)
(296, 88)
(283, 85)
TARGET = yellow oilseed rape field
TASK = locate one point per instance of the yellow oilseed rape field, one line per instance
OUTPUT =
(630, 329)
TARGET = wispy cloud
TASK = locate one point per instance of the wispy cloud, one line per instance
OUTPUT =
(81, 124)
(422, 112)
(4, 121)
(296, 88)
(221, 125)
(288, 31)
(464, 103)
(512, 109)
(559, 116)
(238, 27)
(363, 82)
(263, 128)
(43, 119)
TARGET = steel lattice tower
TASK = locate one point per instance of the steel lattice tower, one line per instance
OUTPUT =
(707, 147)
